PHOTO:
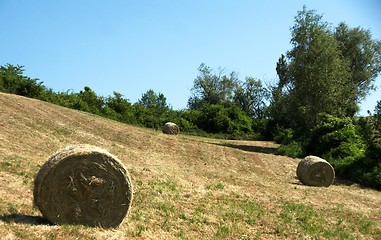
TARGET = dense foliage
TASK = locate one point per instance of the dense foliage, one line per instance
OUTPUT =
(311, 110)
(327, 70)
(322, 80)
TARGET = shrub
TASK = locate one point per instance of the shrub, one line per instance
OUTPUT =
(293, 149)
(240, 122)
(283, 135)
(371, 164)
(373, 178)
(331, 132)
(213, 119)
(185, 125)
(337, 141)
(13, 81)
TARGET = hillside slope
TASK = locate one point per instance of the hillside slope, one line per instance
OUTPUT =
(185, 187)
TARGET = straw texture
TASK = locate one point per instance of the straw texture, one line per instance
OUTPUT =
(83, 185)
(315, 171)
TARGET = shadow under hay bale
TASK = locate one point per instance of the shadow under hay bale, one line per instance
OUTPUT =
(171, 128)
(83, 185)
(315, 171)
(24, 219)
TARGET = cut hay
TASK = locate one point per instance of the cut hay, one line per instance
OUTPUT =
(315, 171)
(171, 128)
(83, 185)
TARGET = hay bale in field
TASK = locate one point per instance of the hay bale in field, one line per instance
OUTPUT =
(315, 171)
(171, 128)
(83, 185)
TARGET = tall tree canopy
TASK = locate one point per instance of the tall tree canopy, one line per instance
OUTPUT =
(151, 100)
(251, 97)
(325, 71)
(212, 88)
(364, 58)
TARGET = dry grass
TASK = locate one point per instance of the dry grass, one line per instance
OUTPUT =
(184, 187)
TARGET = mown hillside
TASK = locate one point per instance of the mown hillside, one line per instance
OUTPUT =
(185, 187)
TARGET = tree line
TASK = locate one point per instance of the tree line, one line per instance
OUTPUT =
(310, 110)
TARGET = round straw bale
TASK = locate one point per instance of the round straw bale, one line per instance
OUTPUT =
(83, 185)
(171, 128)
(315, 171)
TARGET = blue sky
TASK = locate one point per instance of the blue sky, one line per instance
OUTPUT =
(133, 46)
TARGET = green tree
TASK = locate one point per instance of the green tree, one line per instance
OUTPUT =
(89, 101)
(212, 88)
(118, 108)
(213, 119)
(153, 101)
(251, 97)
(364, 57)
(327, 70)
(377, 115)
(240, 122)
(118, 103)
(151, 109)
(318, 74)
(13, 81)
(10, 78)
(279, 108)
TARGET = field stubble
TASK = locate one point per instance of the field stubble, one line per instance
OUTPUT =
(185, 187)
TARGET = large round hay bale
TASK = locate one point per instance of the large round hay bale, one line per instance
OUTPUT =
(315, 171)
(83, 185)
(171, 128)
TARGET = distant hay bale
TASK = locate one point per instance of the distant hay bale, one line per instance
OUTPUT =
(171, 128)
(315, 171)
(83, 185)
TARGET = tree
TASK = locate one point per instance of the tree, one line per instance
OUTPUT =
(251, 97)
(118, 103)
(327, 70)
(377, 115)
(13, 81)
(213, 119)
(89, 101)
(279, 107)
(153, 101)
(317, 76)
(10, 78)
(364, 57)
(212, 88)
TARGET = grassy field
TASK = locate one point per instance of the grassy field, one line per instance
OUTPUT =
(185, 187)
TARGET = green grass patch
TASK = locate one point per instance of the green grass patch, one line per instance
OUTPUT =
(222, 231)
(306, 222)
(240, 209)
(164, 186)
(217, 186)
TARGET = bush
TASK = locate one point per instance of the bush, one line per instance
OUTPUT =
(373, 178)
(213, 119)
(292, 149)
(283, 135)
(353, 150)
(240, 122)
(371, 165)
(337, 141)
(13, 81)
(330, 133)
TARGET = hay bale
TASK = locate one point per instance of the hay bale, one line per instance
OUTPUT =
(171, 128)
(315, 171)
(83, 185)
